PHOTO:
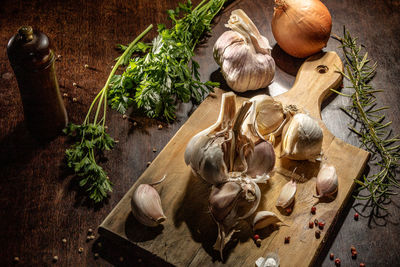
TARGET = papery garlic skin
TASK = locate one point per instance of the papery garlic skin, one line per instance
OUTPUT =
(327, 181)
(302, 138)
(266, 119)
(286, 197)
(244, 55)
(146, 206)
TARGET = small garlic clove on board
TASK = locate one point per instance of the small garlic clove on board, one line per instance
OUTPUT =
(327, 181)
(146, 205)
(287, 195)
(302, 138)
(244, 55)
(264, 219)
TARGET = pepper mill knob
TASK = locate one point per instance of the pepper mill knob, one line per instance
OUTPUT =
(26, 32)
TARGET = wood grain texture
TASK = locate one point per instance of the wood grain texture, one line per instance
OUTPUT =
(41, 203)
(184, 196)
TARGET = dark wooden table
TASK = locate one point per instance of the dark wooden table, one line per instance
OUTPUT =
(41, 203)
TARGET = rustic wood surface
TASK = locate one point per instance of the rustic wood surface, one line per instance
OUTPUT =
(187, 195)
(42, 204)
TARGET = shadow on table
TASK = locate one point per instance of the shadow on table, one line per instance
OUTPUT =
(125, 254)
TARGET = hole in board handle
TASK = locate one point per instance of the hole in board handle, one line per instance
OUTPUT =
(322, 69)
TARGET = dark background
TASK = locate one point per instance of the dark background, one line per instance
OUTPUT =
(40, 202)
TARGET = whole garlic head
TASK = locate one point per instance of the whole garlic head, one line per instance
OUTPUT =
(244, 55)
(302, 138)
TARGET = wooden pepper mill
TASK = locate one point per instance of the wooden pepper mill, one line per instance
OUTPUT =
(33, 63)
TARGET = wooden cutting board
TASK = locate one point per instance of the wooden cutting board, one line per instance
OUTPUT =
(187, 236)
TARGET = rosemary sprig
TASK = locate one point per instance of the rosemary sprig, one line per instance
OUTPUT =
(373, 130)
(91, 138)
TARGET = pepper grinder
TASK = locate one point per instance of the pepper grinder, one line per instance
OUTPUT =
(33, 63)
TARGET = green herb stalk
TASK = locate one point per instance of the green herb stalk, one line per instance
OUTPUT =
(373, 131)
(91, 138)
(166, 73)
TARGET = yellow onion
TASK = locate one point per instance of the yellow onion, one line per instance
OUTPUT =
(301, 27)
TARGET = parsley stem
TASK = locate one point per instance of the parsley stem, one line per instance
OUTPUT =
(101, 94)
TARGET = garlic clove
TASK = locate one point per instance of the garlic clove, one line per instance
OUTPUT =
(263, 219)
(262, 160)
(327, 181)
(222, 199)
(302, 138)
(146, 206)
(287, 195)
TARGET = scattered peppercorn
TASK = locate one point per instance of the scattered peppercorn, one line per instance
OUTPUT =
(58, 57)
(124, 116)
(64, 240)
(337, 262)
(148, 163)
(80, 250)
(362, 264)
(317, 234)
(352, 248)
(321, 225)
(311, 224)
(121, 259)
(96, 255)
(55, 258)
(316, 222)
(256, 237)
(287, 239)
(356, 216)
(154, 149)
(74, 99)
(134, 123)
(313, 209)
(354, 254)
(331, 256)
(65, 95)
(112, 66)
(74, 84)
(139, 260)
(258, 242)
(16, 259)
(99, 244)
(86, 66)
(160, 127)
(289, 210)
(90, 230)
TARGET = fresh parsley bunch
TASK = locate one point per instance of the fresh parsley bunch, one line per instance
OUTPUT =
(166, 73)
(91, 138)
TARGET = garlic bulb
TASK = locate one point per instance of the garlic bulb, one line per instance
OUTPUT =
(302, 138)
(221, 152)
(229, 203)
(327, 181)
(229, 160)
(264, 219)
(287, 194)
(146, 205)
(244, 55)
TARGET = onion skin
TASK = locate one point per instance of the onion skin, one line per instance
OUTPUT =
(301, 27)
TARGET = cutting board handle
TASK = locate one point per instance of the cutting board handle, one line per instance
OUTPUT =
(314, 81)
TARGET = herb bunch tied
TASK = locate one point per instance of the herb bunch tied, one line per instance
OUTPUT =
(373, 131)
(166, 72)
